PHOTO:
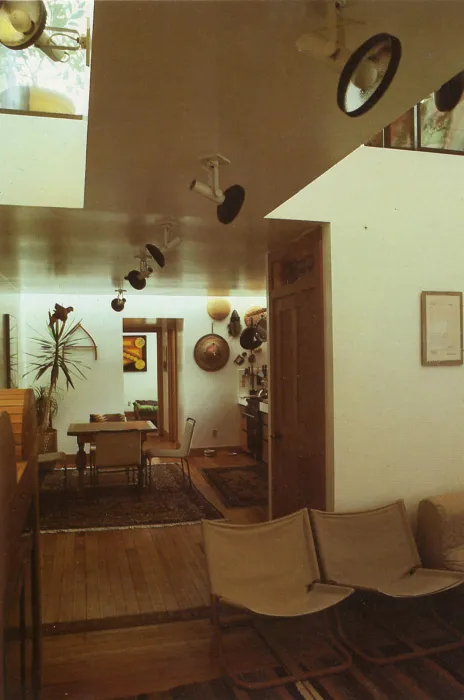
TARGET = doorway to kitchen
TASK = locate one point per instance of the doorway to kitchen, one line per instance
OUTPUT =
(151, 366)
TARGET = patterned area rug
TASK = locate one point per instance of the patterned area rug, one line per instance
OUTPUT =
(240, 487)
(115, 503)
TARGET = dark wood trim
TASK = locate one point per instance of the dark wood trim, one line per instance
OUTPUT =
(159, 369)
(7, 349)
(199, 451)
(50, 115)
(173, 400)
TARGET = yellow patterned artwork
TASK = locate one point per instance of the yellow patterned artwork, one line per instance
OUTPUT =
(134, 353)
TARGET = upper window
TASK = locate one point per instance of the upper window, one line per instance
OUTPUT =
(32, 82)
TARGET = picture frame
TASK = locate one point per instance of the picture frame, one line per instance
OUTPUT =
(441, 329)
(134, 353)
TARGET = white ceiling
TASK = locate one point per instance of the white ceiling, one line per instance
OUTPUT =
(173, 80)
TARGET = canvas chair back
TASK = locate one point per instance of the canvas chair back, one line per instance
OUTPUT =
(120, 449)
(365, 548)
(256, 566)
(187, 437)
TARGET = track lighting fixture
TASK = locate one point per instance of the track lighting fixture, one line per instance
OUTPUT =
(158, 253)
(138, 278)
(366, 73)
(228, 202)
(118, 303)
(23, 23)
(450, 94)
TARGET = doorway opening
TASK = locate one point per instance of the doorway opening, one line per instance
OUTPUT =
(157, 379)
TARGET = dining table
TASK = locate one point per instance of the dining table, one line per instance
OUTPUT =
(87, 432)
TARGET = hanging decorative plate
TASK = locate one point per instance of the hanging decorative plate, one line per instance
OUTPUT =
(218, 308)
(211, 352)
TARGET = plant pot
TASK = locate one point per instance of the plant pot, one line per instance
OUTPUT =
(47, 441)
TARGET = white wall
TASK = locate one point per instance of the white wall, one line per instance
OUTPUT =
(396, 228)
(211, 398)
(142, 385)
(42, 162)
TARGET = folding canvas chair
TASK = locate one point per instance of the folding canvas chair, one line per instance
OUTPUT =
(374, 550)
(270, 569)
(119, 451)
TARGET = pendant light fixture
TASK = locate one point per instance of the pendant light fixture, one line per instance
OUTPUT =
(366, 73)
(23, 23)
(450, 94)
(138, 278)
(229, 202)
(118, 303)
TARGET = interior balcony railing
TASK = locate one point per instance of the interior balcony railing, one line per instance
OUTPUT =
(424, 128)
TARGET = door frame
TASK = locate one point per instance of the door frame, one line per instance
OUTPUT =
(307, 228)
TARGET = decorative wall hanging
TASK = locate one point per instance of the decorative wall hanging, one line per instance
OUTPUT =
(211, 352)
(441, 328)
(218, 308)
(234, 327)
(134, 352)
(254, 314)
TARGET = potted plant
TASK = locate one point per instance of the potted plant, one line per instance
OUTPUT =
(54, 355)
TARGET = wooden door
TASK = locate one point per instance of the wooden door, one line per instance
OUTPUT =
(296, 320)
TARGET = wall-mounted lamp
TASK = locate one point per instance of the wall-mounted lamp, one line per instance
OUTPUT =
(23, 24)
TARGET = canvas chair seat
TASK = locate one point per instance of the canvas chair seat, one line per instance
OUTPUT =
(375, 550)
(270, 569)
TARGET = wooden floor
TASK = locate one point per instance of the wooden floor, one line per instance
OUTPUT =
(112, 576)
(117, 663)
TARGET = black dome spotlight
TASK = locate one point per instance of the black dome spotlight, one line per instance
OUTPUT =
(118, 303)
(366, 73)
(156, 254)
(450, 94)
(230, 201)
(138, 278)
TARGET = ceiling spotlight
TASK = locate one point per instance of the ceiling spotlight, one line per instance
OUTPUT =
(23, 23)
(138, 278)
(157, 253)
(366, 73)
(118, 303)
(228, 202)
(450, 94)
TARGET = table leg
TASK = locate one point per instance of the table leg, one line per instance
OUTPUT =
(81, 462)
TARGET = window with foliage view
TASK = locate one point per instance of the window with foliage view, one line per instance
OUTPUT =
(31, 68)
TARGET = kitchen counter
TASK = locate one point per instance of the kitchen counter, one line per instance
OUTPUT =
(263, 405)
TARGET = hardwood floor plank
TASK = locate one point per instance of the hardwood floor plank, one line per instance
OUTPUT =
(171, 601)
(47, 551)
(138, 576)
(80, 590)
(172, 563)
(68, 588)
(117, 592)
(145, 548)
(108, 596)
(194, 565)
(52, 612)
(91, 579)
(130, 597)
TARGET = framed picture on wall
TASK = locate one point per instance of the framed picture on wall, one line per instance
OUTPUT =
(441, 328)
(134, 353)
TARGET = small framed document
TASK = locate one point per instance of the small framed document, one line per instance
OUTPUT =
(441, 328)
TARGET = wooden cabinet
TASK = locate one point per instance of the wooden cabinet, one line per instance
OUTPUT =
(243, 430)
(244, 434)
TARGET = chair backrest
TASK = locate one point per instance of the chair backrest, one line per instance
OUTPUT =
(365, 548)
(187, 437)
(119, 449)
(107, 418)
(266, 560)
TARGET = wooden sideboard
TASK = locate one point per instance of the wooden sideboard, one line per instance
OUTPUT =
(20, 608)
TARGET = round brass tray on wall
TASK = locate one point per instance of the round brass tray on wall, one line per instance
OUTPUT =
(211, 352)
